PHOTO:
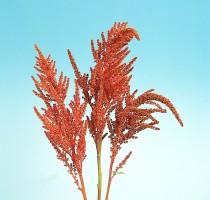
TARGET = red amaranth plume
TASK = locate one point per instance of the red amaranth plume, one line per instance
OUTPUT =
(107, 91)
(64, 127)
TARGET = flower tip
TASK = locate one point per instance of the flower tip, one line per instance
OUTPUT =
(135, 33)
(38, 51)
(137, 36)
(36, 46)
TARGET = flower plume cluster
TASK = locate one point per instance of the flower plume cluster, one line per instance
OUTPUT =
(63, 126)
(107, 91)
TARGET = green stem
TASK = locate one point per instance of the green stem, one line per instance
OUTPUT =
(99, 172)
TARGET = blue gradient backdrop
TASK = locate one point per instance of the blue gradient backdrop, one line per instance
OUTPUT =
(173, 57)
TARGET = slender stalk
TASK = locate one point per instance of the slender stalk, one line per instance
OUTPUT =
(83, 187)
(109, 180)
(99, 171)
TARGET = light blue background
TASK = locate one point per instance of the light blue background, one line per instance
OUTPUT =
(173, 57)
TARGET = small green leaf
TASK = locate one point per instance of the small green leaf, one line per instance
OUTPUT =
(121, 173)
